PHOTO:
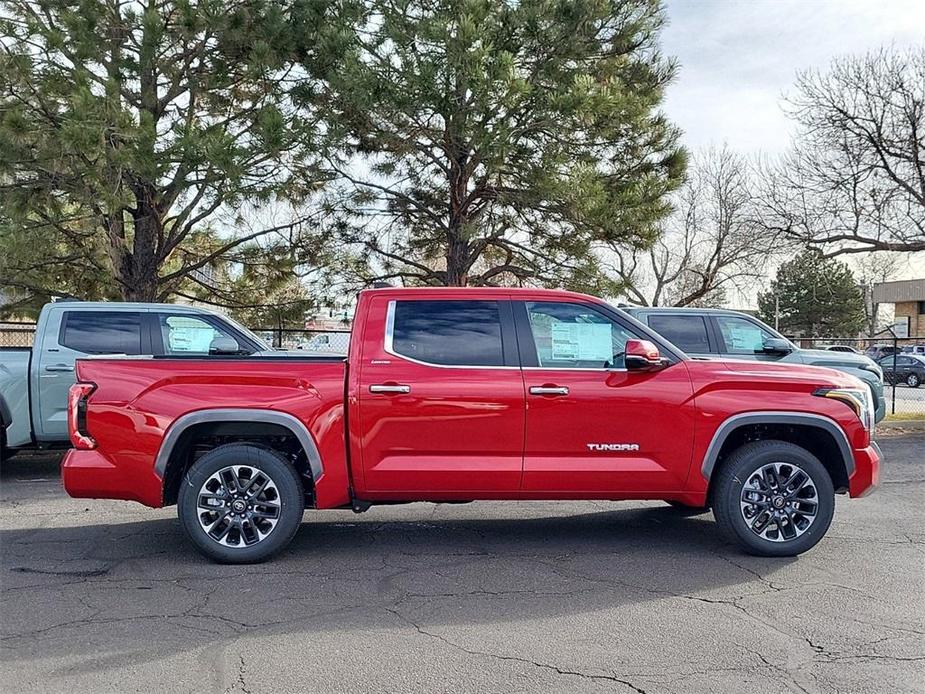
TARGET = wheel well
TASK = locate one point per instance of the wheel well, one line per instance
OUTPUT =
(199, 439)
(814, 439)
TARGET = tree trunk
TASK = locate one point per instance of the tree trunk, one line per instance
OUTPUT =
(142, 281)
(457, 261)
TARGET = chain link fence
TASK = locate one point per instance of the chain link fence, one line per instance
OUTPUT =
(16, 334)
(318, 341)
(902, 360)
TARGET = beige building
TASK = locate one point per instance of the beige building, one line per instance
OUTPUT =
(908, 299)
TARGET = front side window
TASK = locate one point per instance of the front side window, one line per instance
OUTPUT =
(741, 335)
(102, 332)
(186, 334)
(687, 332)
(575, 336)
(448, 333)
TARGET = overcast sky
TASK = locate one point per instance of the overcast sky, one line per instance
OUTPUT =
(737, 57)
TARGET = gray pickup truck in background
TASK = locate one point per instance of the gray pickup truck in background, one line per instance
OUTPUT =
(34, 382)
(706, 332)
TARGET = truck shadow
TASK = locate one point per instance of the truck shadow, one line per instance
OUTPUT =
(110, 595)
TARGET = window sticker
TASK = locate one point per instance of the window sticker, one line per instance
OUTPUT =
(582, 341)
(189, 335)
(742, 336)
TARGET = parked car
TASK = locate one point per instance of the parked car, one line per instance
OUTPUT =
(877, 352)
(914, 349)
(453, 395)
(904, 368)
(841, 348)
(34, 381)
(703, 332)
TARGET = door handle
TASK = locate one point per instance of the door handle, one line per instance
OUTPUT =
(389, 388)
(548, 390)
(59, 367)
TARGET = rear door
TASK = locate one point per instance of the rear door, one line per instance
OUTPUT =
(441, 398)
(69, 335)
(592, 426)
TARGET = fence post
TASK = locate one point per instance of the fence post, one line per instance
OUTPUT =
(895, 347)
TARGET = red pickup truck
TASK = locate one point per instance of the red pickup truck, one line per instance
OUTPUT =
(453, 395)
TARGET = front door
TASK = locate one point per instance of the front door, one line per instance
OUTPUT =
(441, 399)
(592, 426)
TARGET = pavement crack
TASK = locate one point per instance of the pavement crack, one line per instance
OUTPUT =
(511, 658)
(75, 574)
(239, 685)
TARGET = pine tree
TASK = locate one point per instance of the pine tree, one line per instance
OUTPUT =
(815, 296)
(498, 142)
(131, 134)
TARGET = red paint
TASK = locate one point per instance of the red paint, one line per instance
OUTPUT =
(459, 433)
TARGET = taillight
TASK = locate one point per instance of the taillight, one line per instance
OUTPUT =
(77, 415)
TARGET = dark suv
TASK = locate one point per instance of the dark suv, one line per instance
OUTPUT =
(709, 332)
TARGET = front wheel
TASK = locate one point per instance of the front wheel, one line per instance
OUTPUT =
(240, 504)
(773, 498)
(913, 380)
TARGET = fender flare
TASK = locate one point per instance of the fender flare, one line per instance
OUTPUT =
(282, 419)
(776, 417)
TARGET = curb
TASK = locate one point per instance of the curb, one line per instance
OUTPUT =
(913, 424)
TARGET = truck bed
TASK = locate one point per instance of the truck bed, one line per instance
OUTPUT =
(138, 400)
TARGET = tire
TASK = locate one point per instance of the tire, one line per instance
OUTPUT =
(241, 534)
(685, 510)
(740, 481)
(913, 380)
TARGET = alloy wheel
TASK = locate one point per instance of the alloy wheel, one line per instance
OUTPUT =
(779, 502)
(238, 506)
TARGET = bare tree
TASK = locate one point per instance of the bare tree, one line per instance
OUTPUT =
(708, 245)
(854, 180)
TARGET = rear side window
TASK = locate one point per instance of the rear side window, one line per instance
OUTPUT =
(99, 332)
(449, 333)
(687, 332)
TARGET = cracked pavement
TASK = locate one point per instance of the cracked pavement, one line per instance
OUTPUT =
(105, 596)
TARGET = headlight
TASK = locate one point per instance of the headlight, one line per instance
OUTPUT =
(858, 399)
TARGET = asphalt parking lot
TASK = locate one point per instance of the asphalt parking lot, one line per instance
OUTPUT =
(101, 596)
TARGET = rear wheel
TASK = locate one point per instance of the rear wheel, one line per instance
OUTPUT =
(913, 380)
(240, 504)
(773, 498)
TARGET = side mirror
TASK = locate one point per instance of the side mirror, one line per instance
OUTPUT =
(642, 355)
(776, 345)
(224, 345)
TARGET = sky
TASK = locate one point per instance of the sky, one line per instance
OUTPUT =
(738, 57)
